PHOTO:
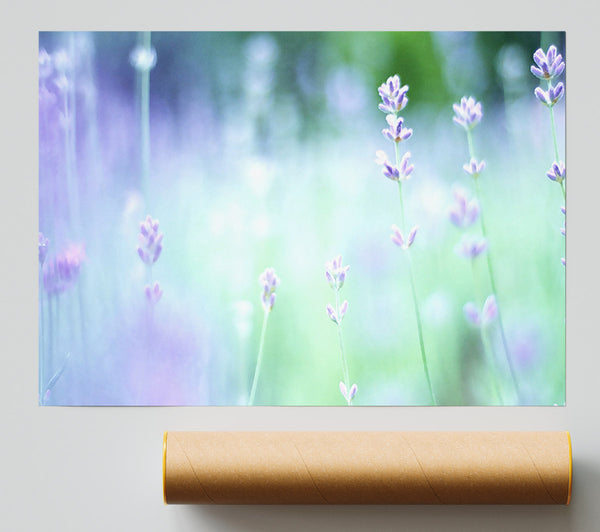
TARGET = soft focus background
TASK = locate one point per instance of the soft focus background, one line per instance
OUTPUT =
(261, 153)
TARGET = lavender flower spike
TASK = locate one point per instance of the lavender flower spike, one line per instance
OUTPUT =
(470, 247)
(150, 240)
(549, 65)
(557, 172)
(153, 294)
(269, 281)
(393, 95)
(398, 239)
(552, 95)
(489, 310)
(334, 316)
(468, 112)
(335, 273)
(62, 272)
(486, 316)
(472, 314)
(395, 132)
(474, 168)
(392, 172)
(464, 212)
(348, 394)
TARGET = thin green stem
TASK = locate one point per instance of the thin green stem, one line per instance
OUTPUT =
(259, 358)
(554, 138)
(415, 299)
(555, 142)
(341, 341)
(470, 141)
(420, 328)
(489, 355)
(487, 348)
(490, 269)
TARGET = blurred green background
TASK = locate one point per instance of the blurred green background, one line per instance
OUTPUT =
(262, 155)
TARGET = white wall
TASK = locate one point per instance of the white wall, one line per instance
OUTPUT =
(99, 469)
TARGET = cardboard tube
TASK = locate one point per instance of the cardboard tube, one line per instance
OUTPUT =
(367, 467)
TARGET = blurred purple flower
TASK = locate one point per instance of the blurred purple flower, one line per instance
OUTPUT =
(464, 212)
(489, 311)
(335, 273)
(62, 61)
(42, 247)
(552, 95)
(393, 95)
(334, 316)
(45, 64)
(143, 59)
(487, 315)
(563, 261)
(153, 294)
(62, 272)
(468, 112)
(471, 313)
(395, 130)
(398, 239)
(549, 65)
(470, 247)
(150, 241)
(269, 281)
(563, 228)
(392, 172)
(474, 168)
(348, 394)
(557, 172)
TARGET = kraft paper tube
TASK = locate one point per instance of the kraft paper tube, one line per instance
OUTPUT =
(367, 467)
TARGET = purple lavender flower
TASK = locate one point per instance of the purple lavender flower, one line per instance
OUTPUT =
(393, 95)
(143, 59)
(398, 239)
(468, 112)
(473, 167)
(471, 313)
(60, 273)
(486, 316)
(470, 247)
(395, 130)
(393, 172)
(549, 65)
(563, 261)
(334, 316)
(464, 212)
(335, 273)
(153, 294)
(42, 247)
(269, 281)
(557, 172)
(551, 96)
(563, 229)
(348, 394)
(489, 311)
(150, 241)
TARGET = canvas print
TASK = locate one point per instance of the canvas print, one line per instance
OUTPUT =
(302, 218)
